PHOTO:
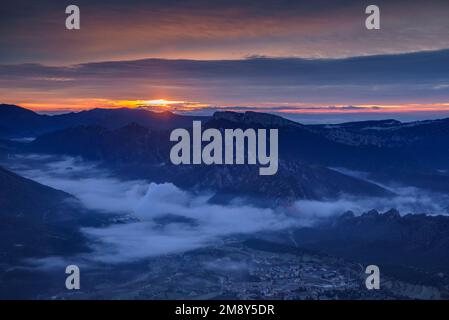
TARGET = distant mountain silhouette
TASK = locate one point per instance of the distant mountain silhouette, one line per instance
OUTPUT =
(426, 142)
(413, 153)
(20, 122)
(16, 122)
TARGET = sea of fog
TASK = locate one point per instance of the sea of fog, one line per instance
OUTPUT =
(196, 221)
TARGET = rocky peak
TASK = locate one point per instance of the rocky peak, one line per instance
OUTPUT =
(249, 117)
(392, 213)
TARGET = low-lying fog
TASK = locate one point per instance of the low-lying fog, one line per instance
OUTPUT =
(195, 222)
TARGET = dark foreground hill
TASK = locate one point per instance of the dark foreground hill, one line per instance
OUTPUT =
(35, 220)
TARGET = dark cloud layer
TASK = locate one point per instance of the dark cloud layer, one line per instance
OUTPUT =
(405, 78)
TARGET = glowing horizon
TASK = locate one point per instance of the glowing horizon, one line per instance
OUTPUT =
(295, 58)
(182, 106)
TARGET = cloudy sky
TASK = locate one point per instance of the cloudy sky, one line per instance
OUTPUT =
(301, 58)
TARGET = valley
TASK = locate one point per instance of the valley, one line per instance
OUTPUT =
(143, 228)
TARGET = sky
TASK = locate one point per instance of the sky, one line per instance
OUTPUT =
(308, 60)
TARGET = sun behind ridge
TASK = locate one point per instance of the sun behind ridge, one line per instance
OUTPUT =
(162, 102)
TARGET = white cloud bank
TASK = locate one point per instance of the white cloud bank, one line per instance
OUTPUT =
(194, 222)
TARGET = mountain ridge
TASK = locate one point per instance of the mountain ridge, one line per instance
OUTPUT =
(18, 122)
(416, 154)
(139, 152)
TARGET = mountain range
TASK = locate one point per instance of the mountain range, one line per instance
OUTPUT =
(389, 151)
(17, 122)
(135, 151)
(135, 142)
(317, 162)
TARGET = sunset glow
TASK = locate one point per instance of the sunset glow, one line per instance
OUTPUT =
(182, 106)
(290, 58)
(162, 102)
